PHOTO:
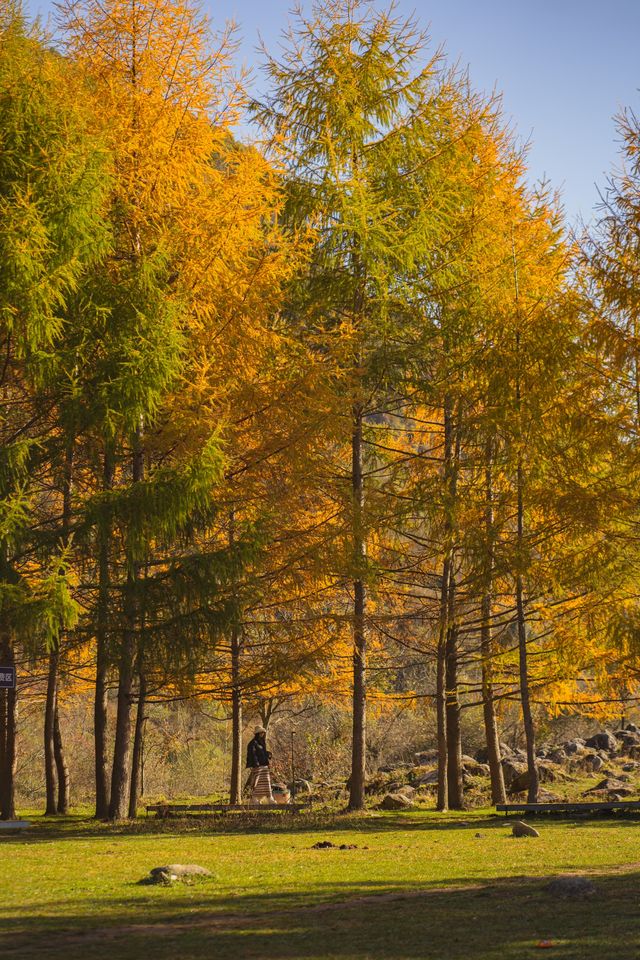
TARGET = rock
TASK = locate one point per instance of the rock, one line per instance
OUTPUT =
(396, 801)
(520, 783)
(546, 796)
(632, 728)
(546, 774)
(603, 741)
(558, 755)
(175, 871)
(571, 887)
(426, 756)
(522, 829)
(593, 762)
(474, 768)
(407, 791)
(631, 767)
(511, 771)
(628, 742)
(610, 784)
(429, 779)
(323, 845)
(574, 746)
(482, 755)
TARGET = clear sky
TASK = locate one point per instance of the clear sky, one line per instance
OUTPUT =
(565, 67)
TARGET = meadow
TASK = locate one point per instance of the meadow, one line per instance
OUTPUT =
(411, 885)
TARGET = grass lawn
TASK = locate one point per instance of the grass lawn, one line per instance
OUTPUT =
(420, 885)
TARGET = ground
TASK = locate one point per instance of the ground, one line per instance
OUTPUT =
(419, 885)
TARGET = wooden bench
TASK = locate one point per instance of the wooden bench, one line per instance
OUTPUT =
(586, 806)
(169, 809)
(14, 826)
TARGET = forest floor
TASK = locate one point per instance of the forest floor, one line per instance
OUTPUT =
(413, 885)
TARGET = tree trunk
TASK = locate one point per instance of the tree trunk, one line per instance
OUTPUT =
(8, 725)
(498, 794)
(525, 700)
(62, 768)
(454, 733)
(56, 772)
(359, 740)
(138, 749)
(122, 747)
(527, 716)
(235, 788)
(102, 658)
(441, 693)
(452, 440)
(51, 704)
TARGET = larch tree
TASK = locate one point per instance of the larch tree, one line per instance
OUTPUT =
(53, 185)
(349, 96)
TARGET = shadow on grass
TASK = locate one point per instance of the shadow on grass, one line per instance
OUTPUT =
(499, 920)
(78, 828)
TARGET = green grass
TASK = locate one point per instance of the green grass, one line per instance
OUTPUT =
(425, 887)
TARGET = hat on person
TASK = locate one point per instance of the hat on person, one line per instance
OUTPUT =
(259, 730)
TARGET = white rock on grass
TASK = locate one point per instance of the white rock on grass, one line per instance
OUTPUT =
(522, 829)
(176, 871)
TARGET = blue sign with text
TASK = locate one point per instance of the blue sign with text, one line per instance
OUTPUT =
(7, 678)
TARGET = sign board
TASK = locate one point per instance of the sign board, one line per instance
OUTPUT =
(7, 678)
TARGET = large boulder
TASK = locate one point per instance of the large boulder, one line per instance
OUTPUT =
(611, 785)
(520, 783)
(572, 747)
(473, 767)
(557, 755)
(482, 755)
(629, 742)
(511, 770)
(602, 741)
(521, 829)
(396, 801)
(428, 779)
(546, 796)
(407, 791)
(592, 762)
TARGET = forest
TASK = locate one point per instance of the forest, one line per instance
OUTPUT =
(314, 411)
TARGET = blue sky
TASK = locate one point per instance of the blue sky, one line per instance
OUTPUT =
(564, 68)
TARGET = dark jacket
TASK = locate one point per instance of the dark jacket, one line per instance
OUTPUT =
(257, 753)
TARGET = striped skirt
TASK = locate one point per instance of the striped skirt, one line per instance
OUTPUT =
(260, 785)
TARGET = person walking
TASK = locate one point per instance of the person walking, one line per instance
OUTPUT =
(258, 786)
